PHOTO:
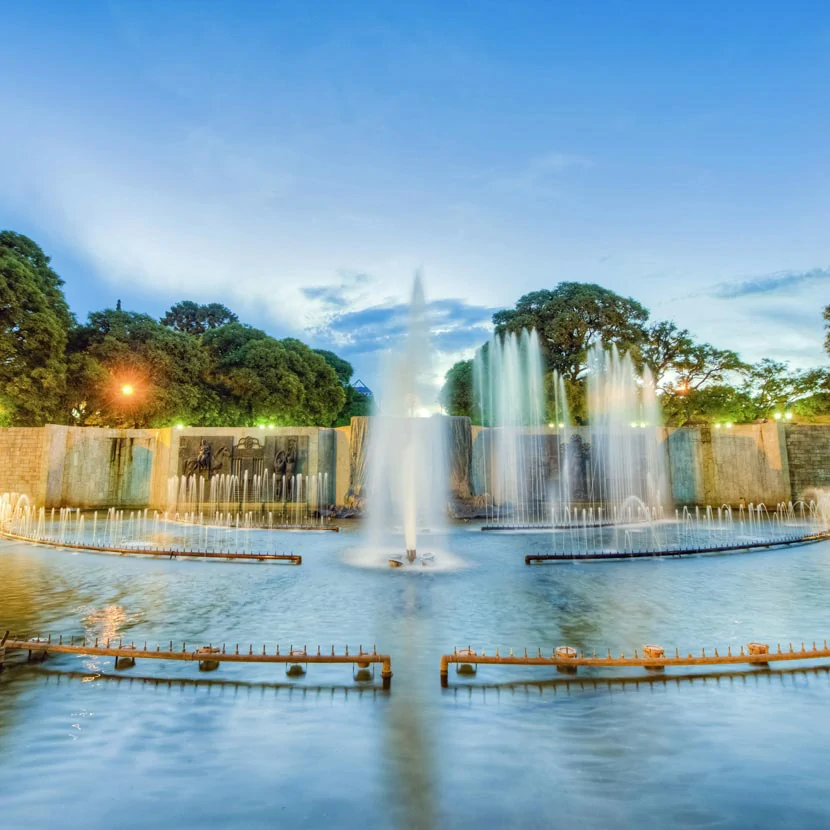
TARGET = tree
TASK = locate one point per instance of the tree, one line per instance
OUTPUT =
(261, 379)
(128, 370)
(356, 404)
(456, 394)
(703, 365)
(774, 387)
(715, 403)
(192, 318)
(34, 321)
(573, 317)
(665, 346)
(343, 369)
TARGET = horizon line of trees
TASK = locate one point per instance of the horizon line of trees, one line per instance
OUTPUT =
(696, 382)
(197, 365)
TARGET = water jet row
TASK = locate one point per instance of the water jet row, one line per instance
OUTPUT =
(567, 659)
(649, 553)
(208, 657)
(170, 553)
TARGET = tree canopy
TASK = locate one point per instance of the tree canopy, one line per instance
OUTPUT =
(573, 317)
(697, 382)
(34, 323)
(200, 365)
(191, 318)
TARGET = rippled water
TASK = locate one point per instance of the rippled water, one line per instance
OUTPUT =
(511, 747)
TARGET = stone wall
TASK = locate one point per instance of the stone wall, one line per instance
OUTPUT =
(808, 450)
(23, 461)
(86, 467)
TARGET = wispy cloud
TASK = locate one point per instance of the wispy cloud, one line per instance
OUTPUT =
(456, 327)
(539, 173)
(767, 284)
(339, 296)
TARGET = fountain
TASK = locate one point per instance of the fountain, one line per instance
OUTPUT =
(541, 473)
(509, 389)
(407, 460)
(628, 472)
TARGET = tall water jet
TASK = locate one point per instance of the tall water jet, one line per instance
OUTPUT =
(628, 475)
(509, 390)
(406, 474)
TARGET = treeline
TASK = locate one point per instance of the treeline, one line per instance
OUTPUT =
(697, 382)
(197, 365)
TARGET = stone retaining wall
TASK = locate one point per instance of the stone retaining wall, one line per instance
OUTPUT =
(94, 468)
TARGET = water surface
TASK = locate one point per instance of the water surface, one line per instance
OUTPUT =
(84, 746)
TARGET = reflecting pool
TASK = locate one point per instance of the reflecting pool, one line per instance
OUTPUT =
(246, 746)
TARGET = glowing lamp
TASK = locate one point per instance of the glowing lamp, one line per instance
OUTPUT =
(789, 416)
(127, 389)
(777, 416)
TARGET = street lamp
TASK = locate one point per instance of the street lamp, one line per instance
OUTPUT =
(127, 390)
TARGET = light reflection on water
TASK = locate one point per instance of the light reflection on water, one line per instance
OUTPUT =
(502, 750)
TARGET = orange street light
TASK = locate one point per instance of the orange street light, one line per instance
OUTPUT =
(127, 390)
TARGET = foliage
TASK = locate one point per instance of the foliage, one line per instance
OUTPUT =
(261, 379)
(192, 318)
(456, 394)
(120, 350)
(343, 369)
(573, 317)
(34, 320)
(356, 405)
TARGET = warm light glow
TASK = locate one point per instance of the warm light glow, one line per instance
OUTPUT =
(717, 426)
(179, 426)
(262, 426)
(789, 416)
(550, 426)
(270, 426)
(777, 416)
(729, 425)
(127, 389)
(561, 426)
(682, 388)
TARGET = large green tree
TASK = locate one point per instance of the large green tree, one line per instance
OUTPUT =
(356, 404)
(573, 317)
(126, 369)
(456, 394)
(34, 321)
(261, 379)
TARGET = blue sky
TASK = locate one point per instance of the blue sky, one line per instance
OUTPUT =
(298, 161)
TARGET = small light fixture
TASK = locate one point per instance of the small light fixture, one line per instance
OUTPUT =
(561, 426)
(127, 389)
(717, 426)
(729, 424)
(179, 426)
(550, 426)
(777, 416)
(789, 416)
(262, 426)
(270, 426)
(643, 424)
